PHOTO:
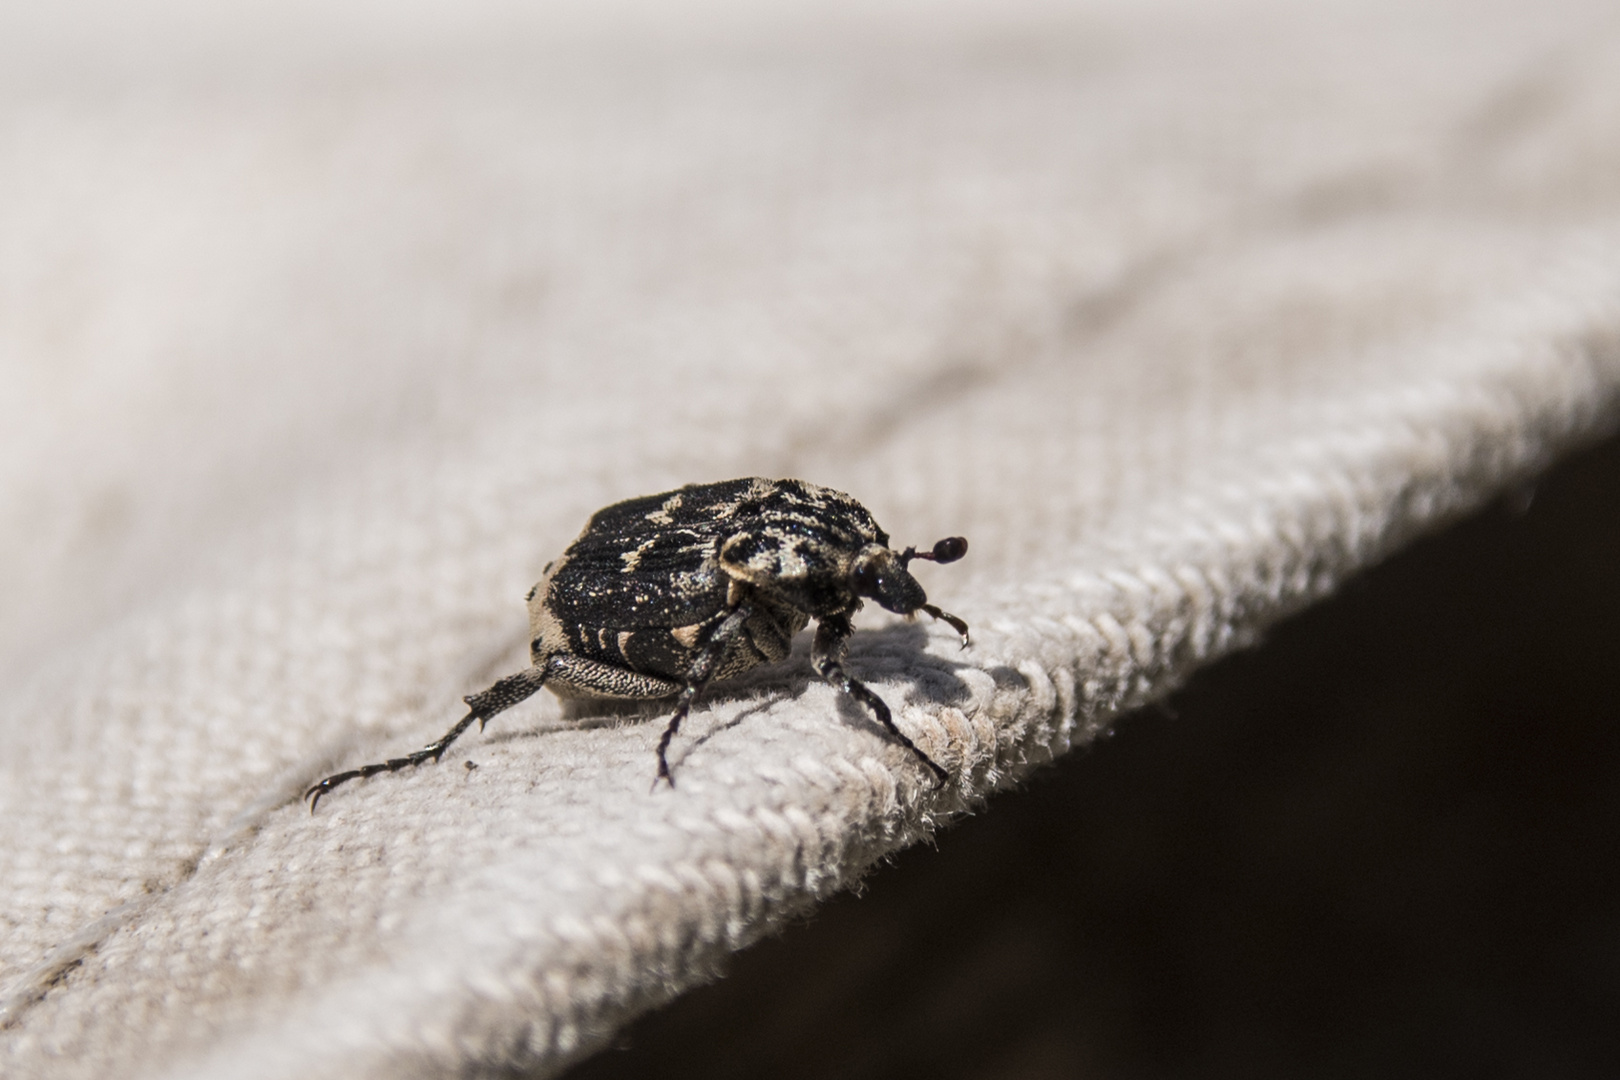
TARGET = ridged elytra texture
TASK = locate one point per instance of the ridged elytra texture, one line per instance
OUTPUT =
(320, 343)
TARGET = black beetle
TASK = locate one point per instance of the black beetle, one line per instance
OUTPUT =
(662, 594)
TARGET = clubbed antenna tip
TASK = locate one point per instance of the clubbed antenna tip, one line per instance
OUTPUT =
(947, 550)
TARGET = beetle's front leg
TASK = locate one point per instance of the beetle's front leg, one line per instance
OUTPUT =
(827, 657)
(698, 676)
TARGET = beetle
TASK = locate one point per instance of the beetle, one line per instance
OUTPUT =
(663, 594)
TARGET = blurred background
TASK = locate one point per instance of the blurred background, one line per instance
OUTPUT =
(245, 249)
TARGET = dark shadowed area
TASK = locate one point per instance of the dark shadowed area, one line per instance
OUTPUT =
(1386, 843)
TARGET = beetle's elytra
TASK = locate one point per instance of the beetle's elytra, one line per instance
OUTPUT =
(663, 594)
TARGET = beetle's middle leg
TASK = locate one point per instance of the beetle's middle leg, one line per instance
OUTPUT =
(698, 676)
(480, 707)
(827, 657)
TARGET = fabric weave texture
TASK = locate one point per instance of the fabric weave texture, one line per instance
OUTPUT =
(324, 329)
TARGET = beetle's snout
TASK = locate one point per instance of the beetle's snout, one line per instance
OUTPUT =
(879, 575)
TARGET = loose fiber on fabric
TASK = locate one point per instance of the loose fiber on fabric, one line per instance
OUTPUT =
(324, 331)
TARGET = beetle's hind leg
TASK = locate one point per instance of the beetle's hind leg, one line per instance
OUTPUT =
(697, 677)
(480, 707)
(827, 657)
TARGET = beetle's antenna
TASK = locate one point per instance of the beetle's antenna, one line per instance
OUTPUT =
(480, 707)
(947, 550)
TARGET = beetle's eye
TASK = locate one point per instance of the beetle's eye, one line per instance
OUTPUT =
(867, 579)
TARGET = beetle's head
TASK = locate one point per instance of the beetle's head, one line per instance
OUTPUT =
(881, 575)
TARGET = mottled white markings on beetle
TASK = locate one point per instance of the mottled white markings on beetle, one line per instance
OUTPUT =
(632, 559)
(661, 516)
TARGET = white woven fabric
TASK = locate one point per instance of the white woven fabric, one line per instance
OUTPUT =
(324, 330)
